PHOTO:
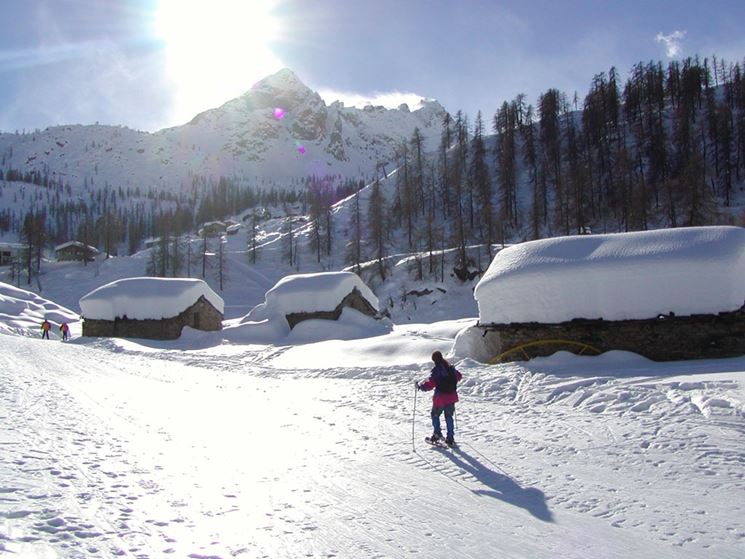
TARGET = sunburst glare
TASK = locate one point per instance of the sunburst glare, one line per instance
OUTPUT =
(215, 49)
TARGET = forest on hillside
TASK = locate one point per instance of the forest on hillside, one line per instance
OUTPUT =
(664, 148)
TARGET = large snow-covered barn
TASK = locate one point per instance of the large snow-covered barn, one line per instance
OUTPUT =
(665, 294)
(152, 308)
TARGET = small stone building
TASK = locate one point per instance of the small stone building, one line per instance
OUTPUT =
(151, 308)
(669, 294)
(322, 295)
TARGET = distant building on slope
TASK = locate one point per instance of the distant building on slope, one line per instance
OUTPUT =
(10, 252)
(75, 251)
(151, 308)
(668, 294)
(212, 229)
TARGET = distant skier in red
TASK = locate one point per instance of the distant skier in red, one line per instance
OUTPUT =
(65, 329)
(444, 380)
(45, 328)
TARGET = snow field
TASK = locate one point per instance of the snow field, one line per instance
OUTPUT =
(128, 450)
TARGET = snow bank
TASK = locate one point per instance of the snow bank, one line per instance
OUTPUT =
(146, 298)
(22, 312)
(306, 293)
(616, 276)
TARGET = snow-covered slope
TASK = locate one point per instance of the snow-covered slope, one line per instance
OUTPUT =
(246, 139)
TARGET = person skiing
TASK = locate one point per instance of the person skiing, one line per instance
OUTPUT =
(443, 379)
(45, 328)
(65, 329)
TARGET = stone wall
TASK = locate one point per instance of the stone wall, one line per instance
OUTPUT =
(667, 338)
(201, 316)
(354, 300)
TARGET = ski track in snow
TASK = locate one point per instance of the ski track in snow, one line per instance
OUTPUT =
(214, 453)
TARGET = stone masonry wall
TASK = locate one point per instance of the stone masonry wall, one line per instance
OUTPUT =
(353, 299)
(666, 338)
(201, 315)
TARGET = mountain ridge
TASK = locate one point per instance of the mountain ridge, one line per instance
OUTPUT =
(244, 139)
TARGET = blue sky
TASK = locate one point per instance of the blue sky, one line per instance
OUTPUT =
(149, 64)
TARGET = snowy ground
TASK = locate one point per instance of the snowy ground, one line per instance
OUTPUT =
(114, 448)
(206, 447)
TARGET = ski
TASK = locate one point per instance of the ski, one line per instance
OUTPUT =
(438, 443)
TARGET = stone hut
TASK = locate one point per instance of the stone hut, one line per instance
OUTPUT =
(324, 295)
(151, 308)
(667, 295)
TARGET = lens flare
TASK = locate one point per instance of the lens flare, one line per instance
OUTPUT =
(279, 113)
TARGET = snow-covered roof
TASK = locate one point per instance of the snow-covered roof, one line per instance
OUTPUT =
(617, 276)
(78, 244)
(310, 293)
(146, 298)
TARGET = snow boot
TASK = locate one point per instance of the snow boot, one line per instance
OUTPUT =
(434, 439)
(450, 441)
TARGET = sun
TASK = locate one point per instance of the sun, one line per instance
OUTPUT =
(215, 49)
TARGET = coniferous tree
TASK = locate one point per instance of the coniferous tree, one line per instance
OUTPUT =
(253, 238)
(222, 262)
(445, 171)
(481, 181)
(505, 128)
(460, 178)
(539, 203)
(377, 227)
(354, 245)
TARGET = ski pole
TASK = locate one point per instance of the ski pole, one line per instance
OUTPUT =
(413, 419)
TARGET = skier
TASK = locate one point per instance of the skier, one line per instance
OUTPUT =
(444, 379)
(65, 329)
(45, 328)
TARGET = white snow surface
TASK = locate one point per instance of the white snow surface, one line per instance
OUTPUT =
(616, 276)
(146, 298)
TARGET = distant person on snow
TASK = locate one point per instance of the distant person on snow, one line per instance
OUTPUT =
(65, 329)
(45, 328)
(444, 379)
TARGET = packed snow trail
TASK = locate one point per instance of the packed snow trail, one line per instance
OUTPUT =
(139, 454)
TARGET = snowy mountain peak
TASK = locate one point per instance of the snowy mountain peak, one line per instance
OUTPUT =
(278, 131)
(284, 80)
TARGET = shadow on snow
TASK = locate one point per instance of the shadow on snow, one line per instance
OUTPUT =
(501, 486)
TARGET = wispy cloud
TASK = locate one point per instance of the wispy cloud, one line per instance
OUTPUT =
(390, 100)
(673, 42)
